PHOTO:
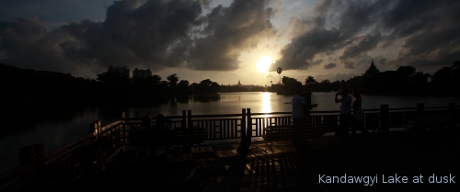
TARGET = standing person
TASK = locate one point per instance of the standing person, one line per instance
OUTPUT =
(308, 106)
(358, 115)
(298, 106)
(298, 116)
(345, 112)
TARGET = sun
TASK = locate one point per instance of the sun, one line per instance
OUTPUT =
(263, 64)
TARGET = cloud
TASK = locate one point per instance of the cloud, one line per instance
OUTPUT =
(29, 44)
(229, 31)
(155, 34)
(350, 32)
(330, 66)
(160, 34)
(134, 33)
(437, 43)
(333, 28)
(358, 48)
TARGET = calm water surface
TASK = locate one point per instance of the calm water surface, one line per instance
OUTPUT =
(57, 132)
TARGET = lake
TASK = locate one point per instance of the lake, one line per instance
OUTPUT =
(55, 132)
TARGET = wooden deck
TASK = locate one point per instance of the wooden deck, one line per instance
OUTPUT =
(218, 167)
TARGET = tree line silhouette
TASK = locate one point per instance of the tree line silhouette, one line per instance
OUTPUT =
(406, 80)
(108, 87)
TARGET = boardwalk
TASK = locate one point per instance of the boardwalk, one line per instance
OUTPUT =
(218, 167)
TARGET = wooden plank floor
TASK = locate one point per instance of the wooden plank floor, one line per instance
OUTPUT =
(218, 167)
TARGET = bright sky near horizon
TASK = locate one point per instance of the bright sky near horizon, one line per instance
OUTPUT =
(227, 41)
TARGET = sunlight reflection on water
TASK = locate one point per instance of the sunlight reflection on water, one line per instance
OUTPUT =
(266, 104)
(61, 131)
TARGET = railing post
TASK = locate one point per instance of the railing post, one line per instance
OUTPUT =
(452, 123)
(420, 109)
(183, 123)
(189, 119)
(100, 153)
(243, 125)
(93, 129)
(35, 156)
(124, 131)
(384, 119)
(243, 148)
(249, 128)
(98, 128)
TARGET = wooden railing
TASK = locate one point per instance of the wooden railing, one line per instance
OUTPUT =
(69, 166)
(229, 126)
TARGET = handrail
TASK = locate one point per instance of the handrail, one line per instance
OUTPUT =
(13, 173)
(66, 147)
(88, 153)
(96, 148)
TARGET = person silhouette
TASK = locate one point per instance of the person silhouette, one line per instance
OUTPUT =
(146, 124)
(298, 107)
(358, 115)
(161, 123)
(345, 113)
(308, 106)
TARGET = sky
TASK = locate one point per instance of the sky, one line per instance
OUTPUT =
(222, 40)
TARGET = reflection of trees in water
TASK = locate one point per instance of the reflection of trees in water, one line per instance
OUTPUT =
(206, 98)
(183, 98)
(21, 118)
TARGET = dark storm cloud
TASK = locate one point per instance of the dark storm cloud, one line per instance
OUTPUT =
(347, 30)
(358, 48)
(302, 49)
(135, 33)
(29, 44)
(230, 31)
(330, 66)
(408, 16)
(334, 27)
(154, 33)
(437, 43)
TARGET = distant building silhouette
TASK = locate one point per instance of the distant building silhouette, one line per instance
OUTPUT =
(372, 71)
(142, 73)
(123, 70)
(359, 82)
(239, 84)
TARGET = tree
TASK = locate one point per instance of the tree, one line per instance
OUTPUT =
(207, 86)
(214, 88)
(112, 77)
(310, 80)
(155, 78)
(173, 79)
(420, 78)
(326, 81)
(291, 84)
(456, 65)
(406, 71)
(183, 86)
